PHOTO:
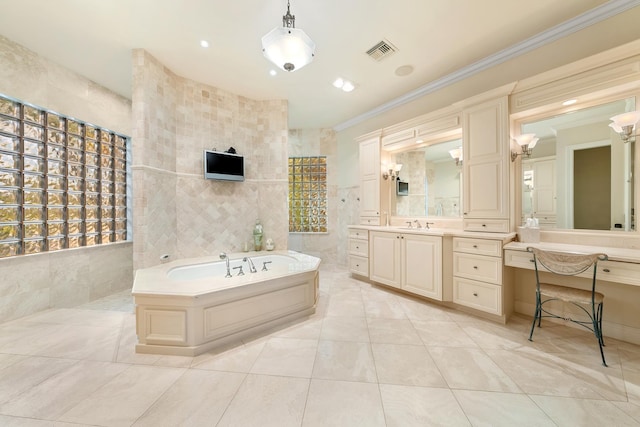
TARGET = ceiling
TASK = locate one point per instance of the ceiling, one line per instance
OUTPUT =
(435, 37)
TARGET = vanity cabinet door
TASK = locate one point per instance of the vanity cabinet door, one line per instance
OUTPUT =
(384, 258)
(371, 186)
(486, 160)
(422, 265)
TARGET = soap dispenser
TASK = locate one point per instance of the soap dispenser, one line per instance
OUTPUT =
(257, 236)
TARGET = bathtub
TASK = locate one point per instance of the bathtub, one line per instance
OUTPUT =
(188, 307)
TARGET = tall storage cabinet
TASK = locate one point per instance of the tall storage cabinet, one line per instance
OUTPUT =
(374, 196)
(486, 166)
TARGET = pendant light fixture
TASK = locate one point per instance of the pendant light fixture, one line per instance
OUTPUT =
(288, 47)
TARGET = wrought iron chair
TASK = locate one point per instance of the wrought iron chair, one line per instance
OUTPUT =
(590, 301)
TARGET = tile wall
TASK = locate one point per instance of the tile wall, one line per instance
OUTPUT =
(180, 213)
(37, 282)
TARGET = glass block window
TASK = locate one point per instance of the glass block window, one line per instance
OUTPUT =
(308, 194)
(62, 181)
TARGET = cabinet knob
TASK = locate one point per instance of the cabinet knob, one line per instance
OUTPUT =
(475, 294)
(531, 260)
(475, 267)
(606, 270)
(397, 237)
(357, 247)
(484, 225)
(357, 265)
(475, 246)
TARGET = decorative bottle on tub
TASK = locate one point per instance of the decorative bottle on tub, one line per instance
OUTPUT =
(257, 236)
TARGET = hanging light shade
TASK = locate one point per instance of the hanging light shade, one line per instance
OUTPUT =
(288, 47)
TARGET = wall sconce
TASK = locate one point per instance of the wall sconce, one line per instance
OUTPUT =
(393, 171)
(526, 141)
(456, 154)
(624, 124)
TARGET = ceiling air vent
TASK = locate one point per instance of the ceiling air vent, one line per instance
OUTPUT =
(381, 50)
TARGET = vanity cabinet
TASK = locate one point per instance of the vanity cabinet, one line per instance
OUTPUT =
(406, 261)
(478, 274)
(486, 166)
(359, 252)
(374, 200)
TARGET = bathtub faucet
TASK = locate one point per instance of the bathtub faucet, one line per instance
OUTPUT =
(252, 268)
(226, 258)
(264, 265)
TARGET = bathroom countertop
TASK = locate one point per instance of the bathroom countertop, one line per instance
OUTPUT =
(614, 254)
(455, 232)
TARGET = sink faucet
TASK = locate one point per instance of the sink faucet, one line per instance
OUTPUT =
(418, 224)
(226, 258)
(427, 224)
(409, 225)
(252, 268)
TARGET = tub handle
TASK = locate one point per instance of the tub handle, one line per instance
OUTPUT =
(240, 273)
(264, 265)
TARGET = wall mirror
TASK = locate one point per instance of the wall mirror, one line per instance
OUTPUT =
(579, 175)
(429, 183)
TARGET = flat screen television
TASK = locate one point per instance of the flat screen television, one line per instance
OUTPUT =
(223, 166)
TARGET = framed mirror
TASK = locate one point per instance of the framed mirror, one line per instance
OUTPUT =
(579, 174)
(430, 181)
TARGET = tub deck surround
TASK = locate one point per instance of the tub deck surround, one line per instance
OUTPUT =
(192, 313)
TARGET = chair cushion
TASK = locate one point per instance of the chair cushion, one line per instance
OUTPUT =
(567, 294)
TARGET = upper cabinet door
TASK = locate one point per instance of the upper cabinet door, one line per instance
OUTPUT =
(486, 160)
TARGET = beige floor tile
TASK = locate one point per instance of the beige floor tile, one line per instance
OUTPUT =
(9, 421)
(347, 361)
(232, 358)
(197, 398)
(345, 307)
(264, 400)
(342, 403)
(418, 310)
(406, 406)
(82, 342)
(290, 357)
(630, 409)
(28, 338)
(406, 365)
(386, 309)
(471, 369)
(307, 329)
(538, 372)
(62, 391)
(345, 329)
(583, 412)
(442, 334)
(493, 336)
(125, 398)
(78, 317)
(501, 409)
(7, 360)
(27, 373)
(393, 331)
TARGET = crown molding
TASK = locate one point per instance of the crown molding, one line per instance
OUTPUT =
(591, 17)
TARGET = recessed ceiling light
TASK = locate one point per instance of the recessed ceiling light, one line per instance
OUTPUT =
(569, 102)
(204, 43)
(273, 72)
(343, 84)
(404, 70)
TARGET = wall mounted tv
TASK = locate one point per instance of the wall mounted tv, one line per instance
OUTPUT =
(223, 166)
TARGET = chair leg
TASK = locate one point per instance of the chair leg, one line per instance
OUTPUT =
(597, 329)
(537, 316)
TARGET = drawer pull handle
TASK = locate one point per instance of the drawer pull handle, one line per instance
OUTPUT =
(484, 225)
(475, 267)
(475, 294)
(357, 247)
(606, 270)
(475, 246)
(531, 260)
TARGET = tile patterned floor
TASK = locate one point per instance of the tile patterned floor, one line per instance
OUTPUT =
(368, 357)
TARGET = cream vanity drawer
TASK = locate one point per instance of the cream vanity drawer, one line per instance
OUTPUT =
(358, 234)
(359, 247)
(370, 220)
(477, 246)
(610, 271)
(359, 265)
(477, 267)
(478, 295)
(488, 225)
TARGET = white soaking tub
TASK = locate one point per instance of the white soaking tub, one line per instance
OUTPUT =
(188, 307)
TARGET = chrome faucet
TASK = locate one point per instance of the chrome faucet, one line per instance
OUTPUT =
(427, 224)
(264, 265)
(226, 258)
(409, 225)
(418, 224)
(252, 268)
